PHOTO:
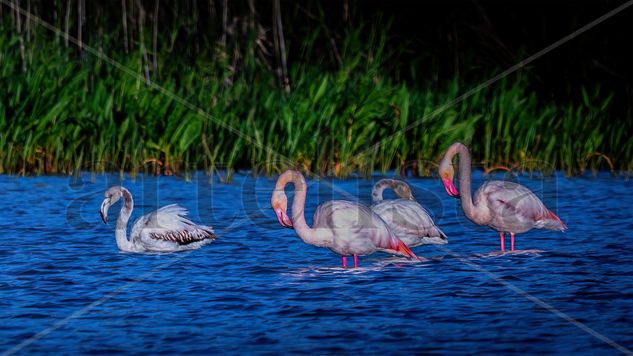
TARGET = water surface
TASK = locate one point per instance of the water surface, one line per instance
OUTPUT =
(65, 288)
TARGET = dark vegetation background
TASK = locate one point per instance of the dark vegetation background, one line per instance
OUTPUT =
(333, 87)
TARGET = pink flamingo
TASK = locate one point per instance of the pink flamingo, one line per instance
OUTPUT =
(345, 227)
(503, 206)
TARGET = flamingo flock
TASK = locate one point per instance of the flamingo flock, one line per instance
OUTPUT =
(345, 227)
(349, 228)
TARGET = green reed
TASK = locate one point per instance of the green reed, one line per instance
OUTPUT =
(65, 113)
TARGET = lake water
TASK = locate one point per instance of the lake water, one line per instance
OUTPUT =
(65, 288)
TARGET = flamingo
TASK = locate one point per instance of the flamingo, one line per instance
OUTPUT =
(504, 206)
(166, 230)
(407, 218)
(344, 227)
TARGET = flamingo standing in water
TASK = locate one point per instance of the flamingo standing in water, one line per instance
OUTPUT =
(345, 227)
(407, 218)
(503, 206)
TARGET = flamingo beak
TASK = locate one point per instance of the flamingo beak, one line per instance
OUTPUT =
(283, 218)
(104, 210)
(450, 188)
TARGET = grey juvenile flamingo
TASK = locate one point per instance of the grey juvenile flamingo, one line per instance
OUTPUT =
(407, 218)
(166, 230)
(503, 206)
(344, 227)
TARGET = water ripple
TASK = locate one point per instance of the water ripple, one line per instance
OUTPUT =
(259, 289)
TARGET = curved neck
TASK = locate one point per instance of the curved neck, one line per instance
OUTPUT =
(379, 187)
(305, 232)
(465, 171)
(121, 223)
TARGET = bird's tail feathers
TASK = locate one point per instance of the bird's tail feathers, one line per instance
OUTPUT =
(551, 222)
(442, 234)
(210, 233)
(404, 250)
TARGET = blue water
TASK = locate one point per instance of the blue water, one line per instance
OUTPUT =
(65, 288)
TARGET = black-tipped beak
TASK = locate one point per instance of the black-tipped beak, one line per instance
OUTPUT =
(104, 210)
(450, 188)
(283, 218)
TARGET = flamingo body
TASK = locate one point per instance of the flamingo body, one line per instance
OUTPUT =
(410, 222)
(349, 228)
(513, 208)
(168, 229)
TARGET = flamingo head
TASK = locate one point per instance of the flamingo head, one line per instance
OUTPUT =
(112, 196)
(279, 203)
(403, 190)
(447, 173)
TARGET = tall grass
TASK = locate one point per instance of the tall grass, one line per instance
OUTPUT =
(65, 113)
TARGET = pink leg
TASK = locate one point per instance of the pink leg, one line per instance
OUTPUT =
(344, 262)
(355, 261)
(503, 245)
(512, 241)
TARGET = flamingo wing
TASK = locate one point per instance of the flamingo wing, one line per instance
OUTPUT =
(518, 207)
(356, 229)
(171, 224)
(410, 222)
